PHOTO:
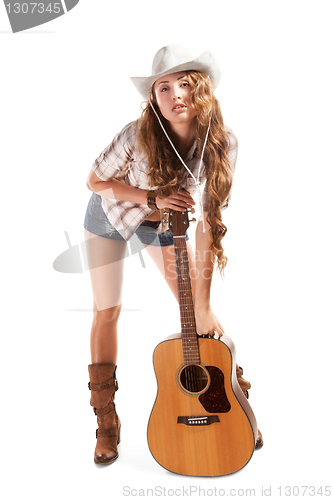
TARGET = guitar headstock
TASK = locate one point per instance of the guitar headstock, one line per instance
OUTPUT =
(178, 222)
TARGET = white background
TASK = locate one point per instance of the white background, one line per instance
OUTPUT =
(65, 92)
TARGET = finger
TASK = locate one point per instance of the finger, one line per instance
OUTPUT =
(179, 205)
(186, 201)
(219, 324)
(173, 203)
(218, 333)
(222, 330)
(213, 334)
(185, 195)
(178, 208)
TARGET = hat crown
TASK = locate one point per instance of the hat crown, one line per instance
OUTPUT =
(172, 59)
(169, 57)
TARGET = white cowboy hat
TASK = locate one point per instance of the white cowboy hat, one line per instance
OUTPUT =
(174, 58)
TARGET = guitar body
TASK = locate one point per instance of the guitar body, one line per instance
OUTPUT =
(202, 430)
(201, 423)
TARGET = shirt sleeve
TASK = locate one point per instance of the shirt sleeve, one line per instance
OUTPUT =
(232, 155)
(116, 157)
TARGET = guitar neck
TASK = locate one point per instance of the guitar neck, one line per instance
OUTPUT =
(187, 316)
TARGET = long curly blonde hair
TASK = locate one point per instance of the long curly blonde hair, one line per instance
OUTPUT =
(165, 168)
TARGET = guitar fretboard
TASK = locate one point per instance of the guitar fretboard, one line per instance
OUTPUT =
(187, 316)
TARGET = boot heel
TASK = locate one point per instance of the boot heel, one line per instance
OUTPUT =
(103, 385)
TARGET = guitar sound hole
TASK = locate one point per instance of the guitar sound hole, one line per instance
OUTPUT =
(193, 378)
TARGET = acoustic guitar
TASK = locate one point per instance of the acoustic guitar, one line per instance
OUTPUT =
(201, 423)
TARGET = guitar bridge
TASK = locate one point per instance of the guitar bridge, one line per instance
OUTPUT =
(198, 421)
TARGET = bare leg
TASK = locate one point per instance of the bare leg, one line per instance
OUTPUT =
(164, 258)
(106, 264)
(104, 335)
(165, 261)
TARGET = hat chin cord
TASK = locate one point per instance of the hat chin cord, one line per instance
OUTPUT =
(196, 180)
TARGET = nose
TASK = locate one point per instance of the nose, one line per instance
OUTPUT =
(176, 93)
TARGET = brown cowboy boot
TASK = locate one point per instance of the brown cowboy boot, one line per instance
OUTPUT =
(245, 386)
(103, 384)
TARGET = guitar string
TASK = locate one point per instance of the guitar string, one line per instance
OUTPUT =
(188, 322)
(191, 321)
(191, 355)
(192, 329)
(180, 281)
(181, 292)
(186, 318)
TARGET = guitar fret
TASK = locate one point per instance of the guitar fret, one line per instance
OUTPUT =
(185, 299)
(192, 359)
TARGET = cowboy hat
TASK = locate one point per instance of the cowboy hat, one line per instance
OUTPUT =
(174, 58)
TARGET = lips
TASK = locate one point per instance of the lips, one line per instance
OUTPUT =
(179, 106)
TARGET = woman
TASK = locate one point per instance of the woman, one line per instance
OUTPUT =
(156, 163)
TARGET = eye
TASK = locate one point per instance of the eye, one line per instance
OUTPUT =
(185, 84)
(163, 89)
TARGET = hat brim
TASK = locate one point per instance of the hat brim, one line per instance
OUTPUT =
(205, 63)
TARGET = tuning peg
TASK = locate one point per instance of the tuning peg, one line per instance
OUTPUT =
(193, 220)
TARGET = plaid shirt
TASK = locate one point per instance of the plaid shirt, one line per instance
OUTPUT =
(120, 160)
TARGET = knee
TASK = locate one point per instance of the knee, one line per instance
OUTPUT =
(107, 316)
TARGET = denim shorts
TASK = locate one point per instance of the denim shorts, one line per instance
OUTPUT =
(96, 222)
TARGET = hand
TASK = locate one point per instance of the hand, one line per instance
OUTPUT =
(179, 201)
(207, 322)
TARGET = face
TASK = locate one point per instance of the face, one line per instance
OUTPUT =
(173, 96)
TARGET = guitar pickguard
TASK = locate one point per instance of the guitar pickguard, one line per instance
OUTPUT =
(215, 399)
